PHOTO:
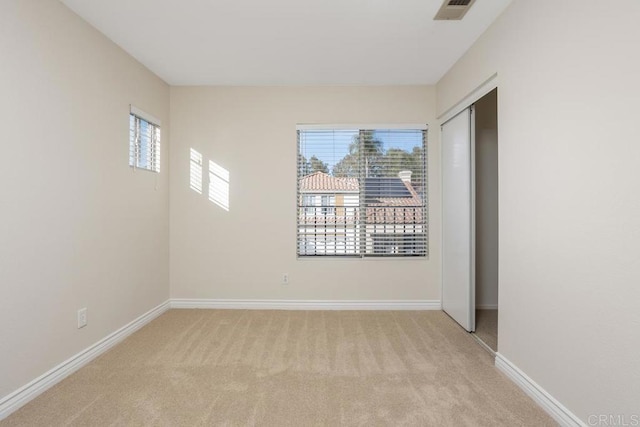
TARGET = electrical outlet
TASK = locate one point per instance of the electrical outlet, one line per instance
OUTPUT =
(82, 318)
(285, 278)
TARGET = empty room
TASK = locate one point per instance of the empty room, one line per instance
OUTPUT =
(393, 212)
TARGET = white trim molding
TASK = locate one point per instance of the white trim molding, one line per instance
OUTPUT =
(144, 115)
(557, 410)
(484, 88)
(270, 304)
(24, 394)
(351, 126)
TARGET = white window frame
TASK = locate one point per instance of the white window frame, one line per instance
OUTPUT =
(361, 235)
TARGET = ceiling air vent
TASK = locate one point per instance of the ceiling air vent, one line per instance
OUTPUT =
(453, 10)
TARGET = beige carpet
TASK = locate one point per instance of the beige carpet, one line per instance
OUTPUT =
(487, 327)
(289, 368)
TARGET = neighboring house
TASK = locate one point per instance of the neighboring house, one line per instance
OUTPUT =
(328, 215)
(395, 222)
(330, 209)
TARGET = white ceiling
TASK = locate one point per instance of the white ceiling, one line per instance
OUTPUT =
(289, 42)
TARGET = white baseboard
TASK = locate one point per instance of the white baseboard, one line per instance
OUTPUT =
(559, 412)
(307, 304)
(20, 397)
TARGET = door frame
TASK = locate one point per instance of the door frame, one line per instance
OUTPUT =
(484, 88)
(467, 102)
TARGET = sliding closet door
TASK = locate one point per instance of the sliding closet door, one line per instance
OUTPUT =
(458, 276)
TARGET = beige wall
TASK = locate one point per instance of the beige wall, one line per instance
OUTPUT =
(251, 132)
(486, 153)
(78, 227)
(569, 184)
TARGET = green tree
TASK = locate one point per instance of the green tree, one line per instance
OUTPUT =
(307, 167)
(372, 153)
(367, 152)
(347, 167)
(365, 147)
(304, 167)
(318, 165)
(396, 160)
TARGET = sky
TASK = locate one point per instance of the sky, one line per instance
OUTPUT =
(330, 146)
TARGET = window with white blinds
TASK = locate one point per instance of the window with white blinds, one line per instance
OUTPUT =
(362, 192)
(144, 141)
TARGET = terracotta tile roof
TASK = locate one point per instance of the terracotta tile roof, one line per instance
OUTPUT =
(320, 181)
(380, 210)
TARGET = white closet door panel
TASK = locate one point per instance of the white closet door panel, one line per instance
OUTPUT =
(457, 217)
